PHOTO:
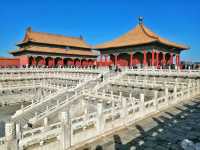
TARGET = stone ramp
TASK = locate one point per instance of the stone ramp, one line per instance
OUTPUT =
(162, 131)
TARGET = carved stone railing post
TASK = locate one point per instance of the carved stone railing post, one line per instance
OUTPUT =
(166, 95)
(197, 86)
(128, 79)
(113, 104)
(198, 81)
(120, 96)
(65, 137)
(175, 92)
(45, 122)
(22, 106)
(18, 131)
(156, 99)
(188, 89)
(194, 87)
(111, 94)
(130, 96)
(176, 80)
(142, 107)
(100, 118)
(136, 79)
(154, 80)
(84, 106)
(124, 108)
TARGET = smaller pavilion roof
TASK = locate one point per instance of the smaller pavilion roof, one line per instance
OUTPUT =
(138, 36)
(53, 39)
(39, 49)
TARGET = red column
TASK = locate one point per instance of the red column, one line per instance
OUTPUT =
(101, 59)
(53, 62)
(116, 60)
(131, 59)
(87, 62)
(171, 58)
(144, 57)
(177, 60)
(44, 61)
(80, 62)
(75, 62)
(157, 59)
(62, 62)
(164, 61)
(152, 59)
(106, 61)
(34, 61)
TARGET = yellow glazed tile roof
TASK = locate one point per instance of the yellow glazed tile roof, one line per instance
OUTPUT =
(138, 36)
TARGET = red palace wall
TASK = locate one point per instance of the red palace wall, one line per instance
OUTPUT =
(23, 60)
(14, 62)
(9, 62)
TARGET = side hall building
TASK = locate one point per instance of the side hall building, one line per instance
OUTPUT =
(51, 50)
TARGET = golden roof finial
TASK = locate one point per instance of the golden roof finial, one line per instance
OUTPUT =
(81, 37)
(140, 18)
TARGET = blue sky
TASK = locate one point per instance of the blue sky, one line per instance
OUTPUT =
(101, 20)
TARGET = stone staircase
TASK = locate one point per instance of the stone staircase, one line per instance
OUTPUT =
(55, 101)
(60, 104)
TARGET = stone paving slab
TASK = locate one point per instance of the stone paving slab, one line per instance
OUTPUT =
(163, 131)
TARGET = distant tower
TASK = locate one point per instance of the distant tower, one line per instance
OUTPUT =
(140, 18)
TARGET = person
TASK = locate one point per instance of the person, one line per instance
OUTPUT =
(102, 78)
(116, 68)
(110, 67)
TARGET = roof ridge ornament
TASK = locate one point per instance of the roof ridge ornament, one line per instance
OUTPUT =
(29, 29)
(140, 19)
(81, 37)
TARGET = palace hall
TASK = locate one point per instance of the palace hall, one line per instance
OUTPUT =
(140, 47)
(51, 50)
